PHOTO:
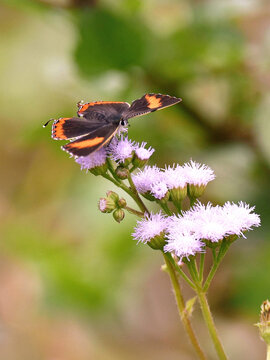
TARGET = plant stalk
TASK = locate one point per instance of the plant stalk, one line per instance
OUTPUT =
(181, 309)
(210, 325)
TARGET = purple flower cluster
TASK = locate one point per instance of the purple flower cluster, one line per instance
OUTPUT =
(120, 149)
(149, 227)
(159, 181)
(186, 234)
(98, 158)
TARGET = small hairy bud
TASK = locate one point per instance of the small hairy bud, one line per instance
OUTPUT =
(122, 172)
(264, 324)
(122, 203)
(118, 215)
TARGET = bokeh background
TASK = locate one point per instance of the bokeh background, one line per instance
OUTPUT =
(74, 285)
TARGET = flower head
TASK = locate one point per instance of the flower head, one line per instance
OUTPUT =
(150, 227)
(240, 217)
(144, 179)
(96, 159)
(159, 190)
(175, 177)
(142, 153)
(121, 149)
(197, 174)
(102, 205)
(213, 223)
(183, 245)
(207, 222)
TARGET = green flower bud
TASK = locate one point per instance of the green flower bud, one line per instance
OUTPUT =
(264, 324)
(121, 203)
(158, 242)
(119, 215)
(113, 196)
(122, 172)
(106, 205)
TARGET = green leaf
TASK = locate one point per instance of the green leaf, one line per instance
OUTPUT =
(190, 306)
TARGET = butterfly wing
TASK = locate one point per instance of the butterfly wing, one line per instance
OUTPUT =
(102, 110)
(91, 142)
(149, 103)
(69, 128)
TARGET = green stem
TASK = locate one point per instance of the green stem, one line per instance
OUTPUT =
(134, 212)
(111, 169)
(108, 177)
(210, 324)
(181, 308)
(133, 193)
(136, 195)
(201, 267)
(216, 262)
(180, 271)
(192, 270)
(165, 208)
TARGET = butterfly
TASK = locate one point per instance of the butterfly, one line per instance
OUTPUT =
(97, 122)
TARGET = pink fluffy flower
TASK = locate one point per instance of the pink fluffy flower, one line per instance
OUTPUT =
(149, 227)
(183, 244)
(142, 153)
(240, 217)
(98, 158)
(146, 178)
(213, 223)
(197, 174)
(175, 177)
(159, 190)
(121, 149)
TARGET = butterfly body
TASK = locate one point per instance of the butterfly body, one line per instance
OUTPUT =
(97, 122)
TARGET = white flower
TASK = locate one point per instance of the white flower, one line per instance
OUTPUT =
(121, 149)
(240, 217)
(159, 190)
(98, 158)
(197, 174)
(150, 226)
(183, 244)
(142, 153)
(175, 177)
(146, 178)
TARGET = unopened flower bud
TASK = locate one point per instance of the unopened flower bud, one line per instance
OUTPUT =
(119, 215)
(106, 205)
(157, 242)
(122, 172)
(264, 324)
(122, 203)
(112, 195)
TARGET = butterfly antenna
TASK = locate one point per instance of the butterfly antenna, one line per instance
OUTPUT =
(47, 122)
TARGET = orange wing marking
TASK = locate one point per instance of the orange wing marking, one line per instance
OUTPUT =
(86, 143)
(86, 106)
(57, 130)
(153, 102)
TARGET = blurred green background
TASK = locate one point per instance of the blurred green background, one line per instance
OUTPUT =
(74, 285)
